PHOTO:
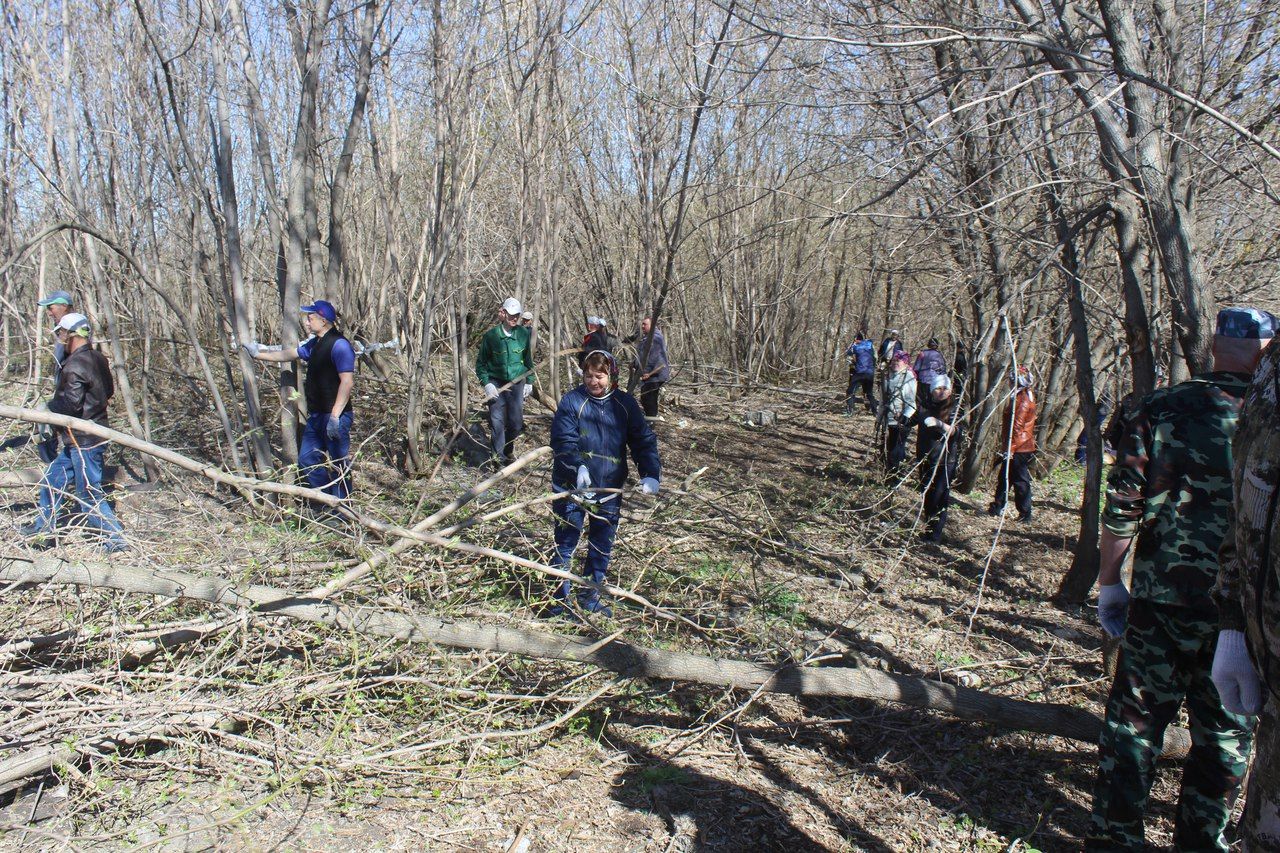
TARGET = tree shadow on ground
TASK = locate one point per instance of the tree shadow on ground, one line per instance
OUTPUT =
(706, 813)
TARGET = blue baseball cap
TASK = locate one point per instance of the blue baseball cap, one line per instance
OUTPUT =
(58, 297)
(1246, 323)
(322, 307)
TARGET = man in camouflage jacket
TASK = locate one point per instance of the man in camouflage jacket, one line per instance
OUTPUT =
(1170, 488)
(1248, 599)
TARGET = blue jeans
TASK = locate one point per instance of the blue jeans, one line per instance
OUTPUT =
(81, 467)
(506, 419)
(602, 525)
(323, 459)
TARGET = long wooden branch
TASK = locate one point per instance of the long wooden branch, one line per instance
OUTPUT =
(615, 655)
(416, 535)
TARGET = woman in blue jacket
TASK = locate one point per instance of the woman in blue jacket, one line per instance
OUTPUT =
(592, 432)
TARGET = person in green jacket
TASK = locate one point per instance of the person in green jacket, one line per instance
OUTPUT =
(504, 367)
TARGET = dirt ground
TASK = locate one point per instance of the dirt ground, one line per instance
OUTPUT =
(788, 546)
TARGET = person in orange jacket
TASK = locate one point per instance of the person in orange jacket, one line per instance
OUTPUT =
(1017, 448)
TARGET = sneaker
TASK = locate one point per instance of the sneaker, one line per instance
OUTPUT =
(562, 611)
(595, 605)
(994, 510)
(31, 530)
(1024, 517)
(115, 546)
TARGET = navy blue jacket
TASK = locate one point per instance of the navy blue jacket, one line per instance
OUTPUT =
(863, 354)
(597, 432)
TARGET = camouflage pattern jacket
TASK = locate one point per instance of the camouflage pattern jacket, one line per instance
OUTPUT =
(1171, 487)
(1248, 589)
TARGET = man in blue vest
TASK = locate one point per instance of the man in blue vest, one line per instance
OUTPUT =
(331, 365)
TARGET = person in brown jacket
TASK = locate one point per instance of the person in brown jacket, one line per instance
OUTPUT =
(1017, 448)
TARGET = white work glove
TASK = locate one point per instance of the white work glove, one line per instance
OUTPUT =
(490, 391)
(1234, 676)
(253, 348)
(528, 389)
(932, 422)
(1113, 608)
(584, 478)
(648, 486)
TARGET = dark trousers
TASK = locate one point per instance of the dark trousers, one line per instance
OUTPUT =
(1166, 656)
(649, 398)
(1016, 472)
(506, 419)
(938, 473)
(895, 445)
(867, 382)
(601, 523)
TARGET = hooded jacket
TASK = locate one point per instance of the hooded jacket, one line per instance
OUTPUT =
(929, 365)
(84, 390)
(598, 432)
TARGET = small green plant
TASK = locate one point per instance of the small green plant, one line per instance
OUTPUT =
(663, 774)
(781, 603)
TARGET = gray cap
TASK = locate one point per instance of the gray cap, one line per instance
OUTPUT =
(58, 297)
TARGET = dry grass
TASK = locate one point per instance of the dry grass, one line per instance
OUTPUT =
(787, 547)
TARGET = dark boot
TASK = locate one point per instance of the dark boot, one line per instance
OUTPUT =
(562, 607)
(589, 598)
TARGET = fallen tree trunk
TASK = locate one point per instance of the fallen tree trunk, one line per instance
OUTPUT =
(246, 485)
(614, 655)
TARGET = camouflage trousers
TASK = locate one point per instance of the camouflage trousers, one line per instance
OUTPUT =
(1260, 826)
(1166, 656)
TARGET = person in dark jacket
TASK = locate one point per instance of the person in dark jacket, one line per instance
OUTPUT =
(594, 429)
(597, 338)
(84, 391)
(57, 304)
(331, 363)
(929, 365)
(651, 346)
(861, 355)
(939, 439)
(889, 347)
(959, 370)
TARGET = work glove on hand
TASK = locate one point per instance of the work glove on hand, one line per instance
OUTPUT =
(490, 391)
(253, 348)
(1113, 608)
(528, 389)
(648, 486)
(334, 428)
(584, 478)
(1234, 676)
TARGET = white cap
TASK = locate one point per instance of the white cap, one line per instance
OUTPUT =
(596, 321)
(528, 315)
(941, 381)
(76, 324)
(512, 306)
